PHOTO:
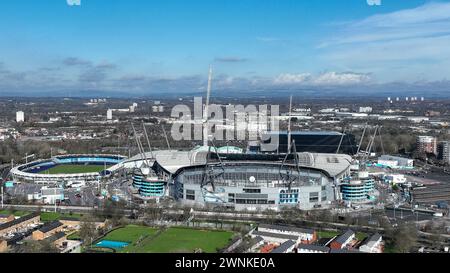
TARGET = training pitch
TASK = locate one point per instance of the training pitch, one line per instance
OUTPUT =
(171, 240)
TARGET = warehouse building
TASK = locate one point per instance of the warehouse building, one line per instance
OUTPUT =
(396, 162)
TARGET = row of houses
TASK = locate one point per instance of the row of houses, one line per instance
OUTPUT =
(54, 232)
(287, 239)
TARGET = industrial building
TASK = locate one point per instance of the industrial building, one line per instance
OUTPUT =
(395, 162)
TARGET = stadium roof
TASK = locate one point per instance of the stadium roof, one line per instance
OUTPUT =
(172, 160)
(304, 133)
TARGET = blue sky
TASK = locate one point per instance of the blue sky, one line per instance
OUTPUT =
(158, 46)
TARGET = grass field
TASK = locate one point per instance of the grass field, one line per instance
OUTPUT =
(130, 233)
(16, 213)
(52, 216)
(172, 240)
(183, 240)
(327, 234)
(74, 169)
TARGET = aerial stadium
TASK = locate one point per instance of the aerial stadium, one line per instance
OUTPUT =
(239, 180)
(66, 168)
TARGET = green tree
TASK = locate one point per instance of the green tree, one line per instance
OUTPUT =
(88, 230)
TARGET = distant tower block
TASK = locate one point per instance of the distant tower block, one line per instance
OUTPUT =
(20, 116)
(109, 114)
(389, 99)
(407, 99)
(397, 99)
(422, 99)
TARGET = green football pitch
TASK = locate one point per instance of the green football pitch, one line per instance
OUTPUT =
(74, 169)
(172, 240)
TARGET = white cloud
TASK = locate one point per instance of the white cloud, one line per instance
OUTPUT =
(292, 78)
(334, 78)
(395, 46)
(328, 78)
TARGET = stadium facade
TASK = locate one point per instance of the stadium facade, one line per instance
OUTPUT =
(242, 181)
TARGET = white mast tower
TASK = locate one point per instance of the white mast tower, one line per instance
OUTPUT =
(206, 113)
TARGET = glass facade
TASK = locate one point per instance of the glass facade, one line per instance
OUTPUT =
(357, 190)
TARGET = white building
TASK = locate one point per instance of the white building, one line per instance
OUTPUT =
(365, 109)
(20, 116)
(109, 114)
(395, 179)
(303, 234)
(372, 244)
(395, 161)
(48, 195)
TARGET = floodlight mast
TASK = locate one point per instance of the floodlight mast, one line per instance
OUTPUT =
(289, 125)
(206, 112)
